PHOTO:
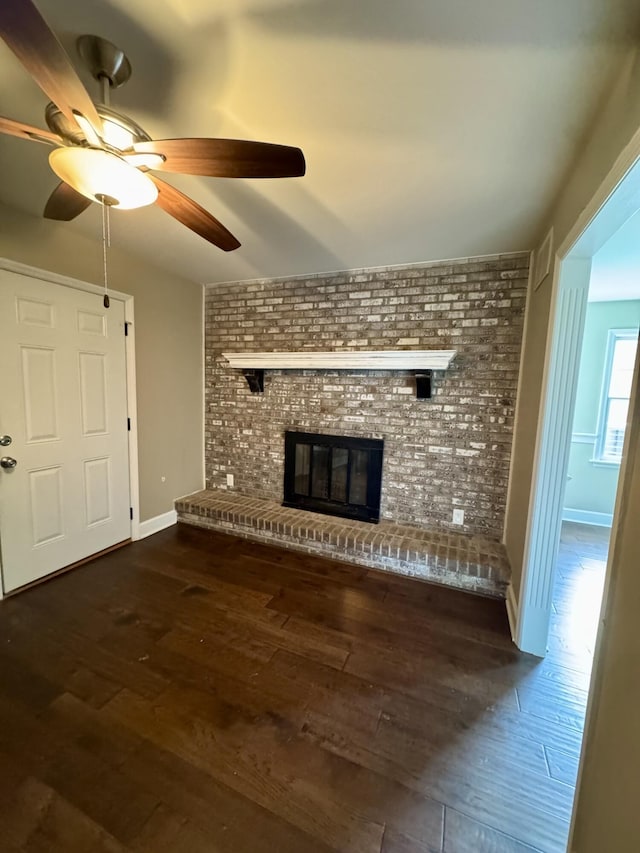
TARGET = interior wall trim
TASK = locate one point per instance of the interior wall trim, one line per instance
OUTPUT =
(585, 516)
(584, 437)
(516, 413)
(57, 278)
(157, 523)
(562, 363)
(575, 240)
(512, 611)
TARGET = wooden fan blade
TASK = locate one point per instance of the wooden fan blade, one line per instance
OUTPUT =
(65, 203)
(28, 35)
(189, 213)
(226, 158)
(26, 131)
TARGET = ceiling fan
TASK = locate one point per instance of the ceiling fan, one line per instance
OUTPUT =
(103, 156)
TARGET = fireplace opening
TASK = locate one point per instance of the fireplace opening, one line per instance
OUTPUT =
(333, 474)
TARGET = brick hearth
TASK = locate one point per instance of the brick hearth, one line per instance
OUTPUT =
(472, 562)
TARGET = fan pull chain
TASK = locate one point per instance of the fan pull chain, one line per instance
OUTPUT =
(106, 243)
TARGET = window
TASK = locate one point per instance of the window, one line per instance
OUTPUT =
(620, 360)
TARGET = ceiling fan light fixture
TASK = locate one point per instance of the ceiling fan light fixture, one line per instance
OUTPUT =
(90, 134)
(144, 160)
(117, 135)
(99, 174)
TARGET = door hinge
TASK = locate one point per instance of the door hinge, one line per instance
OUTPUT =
(126, 329)
(131, 513)
(129, 424)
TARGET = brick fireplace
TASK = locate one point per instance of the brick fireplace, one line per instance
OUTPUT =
(448, 452)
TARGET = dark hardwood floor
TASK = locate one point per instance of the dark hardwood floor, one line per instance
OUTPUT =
(197, 693)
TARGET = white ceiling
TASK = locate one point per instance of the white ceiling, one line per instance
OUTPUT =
(615, 269)
(432, 128)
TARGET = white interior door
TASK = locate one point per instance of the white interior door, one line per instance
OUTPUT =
(64, 407)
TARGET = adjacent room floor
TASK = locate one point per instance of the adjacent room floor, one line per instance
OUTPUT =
(195, 692)
(577, 594)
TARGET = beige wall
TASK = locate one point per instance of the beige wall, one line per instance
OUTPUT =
(169, 348)
(607, 815)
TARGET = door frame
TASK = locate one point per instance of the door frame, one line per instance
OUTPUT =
(595, 224)
(130, 358)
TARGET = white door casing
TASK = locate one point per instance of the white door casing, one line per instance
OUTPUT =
(64, 404)
(552, 455)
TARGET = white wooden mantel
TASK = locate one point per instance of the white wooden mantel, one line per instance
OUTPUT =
(343, 360)
(253, 364)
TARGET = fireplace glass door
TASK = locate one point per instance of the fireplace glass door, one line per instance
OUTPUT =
(337, 475)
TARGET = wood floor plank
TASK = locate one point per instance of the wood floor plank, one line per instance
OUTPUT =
(167, 831)
(562, 765)
(276, 733)
(25, 686)
(81, 725)
(231, 822)
(464, 835)
(36, 819)
(483, 785)
(53, 629)
(53, 662)
(400, 842)
(421, 677)
(25, 740)
(340, 695)
(249, 773)
(102, 792)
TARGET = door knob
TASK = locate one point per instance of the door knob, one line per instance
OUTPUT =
(8, 462)
(5, 440)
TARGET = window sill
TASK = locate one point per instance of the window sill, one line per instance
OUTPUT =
(605, 463)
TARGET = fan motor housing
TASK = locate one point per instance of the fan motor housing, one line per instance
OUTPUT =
(73, 135)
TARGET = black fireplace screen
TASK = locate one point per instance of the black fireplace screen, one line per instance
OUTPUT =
(333, 474)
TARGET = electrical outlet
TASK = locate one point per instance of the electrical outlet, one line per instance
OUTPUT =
(458, 516)
(230, 480)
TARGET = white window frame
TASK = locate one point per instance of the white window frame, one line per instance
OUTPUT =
(612, 338)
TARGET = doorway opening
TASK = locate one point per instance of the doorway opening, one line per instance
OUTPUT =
(601, 260)
(607, 359)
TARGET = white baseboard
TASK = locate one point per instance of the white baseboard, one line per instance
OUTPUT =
(583, 516)
(155, 525)
(512, 611)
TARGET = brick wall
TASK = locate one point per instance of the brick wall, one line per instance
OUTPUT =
(448, 452)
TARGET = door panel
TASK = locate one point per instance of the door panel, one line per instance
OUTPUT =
(97, 490)
(45, 494)
(93, 393)
(33, 313)
(39, 393)
(64, 405)
(91, 324)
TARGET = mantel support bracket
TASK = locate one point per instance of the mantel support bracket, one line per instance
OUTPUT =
(255, 379)
(423, 385)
